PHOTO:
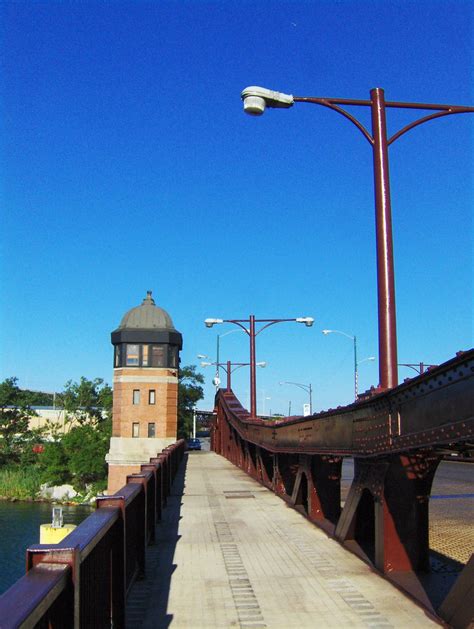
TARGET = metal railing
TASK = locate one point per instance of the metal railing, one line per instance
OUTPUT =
(396, 439)
(84, 580)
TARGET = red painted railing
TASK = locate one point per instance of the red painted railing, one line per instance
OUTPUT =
(84, 580)
(396, 440)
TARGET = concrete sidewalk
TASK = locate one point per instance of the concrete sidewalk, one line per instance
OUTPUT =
(230, 553)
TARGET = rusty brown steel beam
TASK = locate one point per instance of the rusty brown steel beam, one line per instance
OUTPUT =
(396, 438)
(433, 409)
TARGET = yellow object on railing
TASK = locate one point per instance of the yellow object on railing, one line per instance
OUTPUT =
(56, 531)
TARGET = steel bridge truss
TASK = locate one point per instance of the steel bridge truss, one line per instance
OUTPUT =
(397, 439)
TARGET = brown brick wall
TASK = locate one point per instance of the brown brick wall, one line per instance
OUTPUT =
(118, 476)
(163, 413)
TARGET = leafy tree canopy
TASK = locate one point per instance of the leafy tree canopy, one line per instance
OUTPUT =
(15, 413)
(190, 392)
(87, 401)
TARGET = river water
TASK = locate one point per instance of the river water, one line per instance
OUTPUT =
(20, 527)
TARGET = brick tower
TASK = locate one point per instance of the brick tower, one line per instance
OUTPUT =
(145, 409)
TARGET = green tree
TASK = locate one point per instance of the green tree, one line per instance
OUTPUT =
(87, 401)
(78, 457)
(85, 448)
(189, 394)
(54, 464)
(38, 398)
(15, 413)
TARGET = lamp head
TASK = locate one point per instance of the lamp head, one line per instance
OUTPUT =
(308, 321)
(205, 364)
(210, 322)
(326, 332)
(261, 364)
(256, 99)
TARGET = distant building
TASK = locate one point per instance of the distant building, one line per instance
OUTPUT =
(47, 415)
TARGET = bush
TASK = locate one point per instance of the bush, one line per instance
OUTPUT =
(19, 483)
(85, 448)
(54, 464)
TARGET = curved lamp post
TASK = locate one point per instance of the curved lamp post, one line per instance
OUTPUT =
(356, 362)
(305, 387)
(229, 367)
(256, 99)
(217, 378)
(418, 367)
(252, 334)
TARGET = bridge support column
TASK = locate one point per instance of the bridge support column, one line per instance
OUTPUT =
(402, 516)
(386, 515)
(317, 489)
(285, 474)
(250, 460)
(325, 499)
(265, 467)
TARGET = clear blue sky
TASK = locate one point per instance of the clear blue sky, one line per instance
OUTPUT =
(128, 165)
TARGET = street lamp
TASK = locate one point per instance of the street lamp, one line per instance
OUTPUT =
(305, 387)
(217, 380)
(227, 367)
(256, 99)
(356, 363)
(252, 333)
(418, 367)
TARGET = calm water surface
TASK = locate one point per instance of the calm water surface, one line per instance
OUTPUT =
(19, 527)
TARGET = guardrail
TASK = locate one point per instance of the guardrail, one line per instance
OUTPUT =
(396, 439)
(84, 580)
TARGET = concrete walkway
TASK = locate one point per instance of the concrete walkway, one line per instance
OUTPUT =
(231, 554)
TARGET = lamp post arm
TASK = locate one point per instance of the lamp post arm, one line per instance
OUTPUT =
(271, 322)
(439, 114)
(305, 387)
(331, 104)
(237, 322)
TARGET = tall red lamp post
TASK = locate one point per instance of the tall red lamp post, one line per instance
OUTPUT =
(256, 99)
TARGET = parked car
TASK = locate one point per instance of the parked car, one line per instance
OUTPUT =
(193, 444)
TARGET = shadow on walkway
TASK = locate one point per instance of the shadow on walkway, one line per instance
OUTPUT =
(147, 604)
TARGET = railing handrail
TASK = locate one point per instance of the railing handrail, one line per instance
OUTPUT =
(33, 594)
(53, 569)
(389, 421)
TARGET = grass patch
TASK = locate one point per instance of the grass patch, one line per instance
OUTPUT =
(19, 483)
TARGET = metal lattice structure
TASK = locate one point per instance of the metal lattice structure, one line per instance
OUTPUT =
(397, 439)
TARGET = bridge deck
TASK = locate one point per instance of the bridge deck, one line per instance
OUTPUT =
(231, 554)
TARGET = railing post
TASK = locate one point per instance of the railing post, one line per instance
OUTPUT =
(118, 586)
(159, 486)
(152, 495)
(141, 522)
(67, 613)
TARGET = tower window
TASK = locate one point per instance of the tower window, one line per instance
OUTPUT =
(151, 429)
(133, 355)
(118, 356)
(135, 429)
(136, 396)
(151, 396)
(158, 356)
(146, 355)
(173, 357)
